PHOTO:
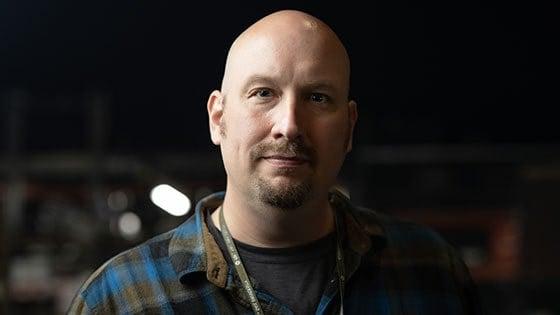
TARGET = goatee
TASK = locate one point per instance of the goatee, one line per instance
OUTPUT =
(289, 196)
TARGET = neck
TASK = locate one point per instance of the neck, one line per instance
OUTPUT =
(266, 226)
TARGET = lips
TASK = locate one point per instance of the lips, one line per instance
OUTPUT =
(286, 160)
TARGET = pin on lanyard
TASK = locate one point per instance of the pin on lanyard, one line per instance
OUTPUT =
(242, 273)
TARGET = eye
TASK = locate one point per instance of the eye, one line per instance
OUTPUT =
(319, 98)
(262, 93)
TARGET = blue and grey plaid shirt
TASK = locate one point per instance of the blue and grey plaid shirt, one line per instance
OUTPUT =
(392, 268)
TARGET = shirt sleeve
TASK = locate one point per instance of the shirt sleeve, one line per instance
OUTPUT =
(94, 296)
(78, 306)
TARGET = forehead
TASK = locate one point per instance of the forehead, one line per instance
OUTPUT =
(289, 58)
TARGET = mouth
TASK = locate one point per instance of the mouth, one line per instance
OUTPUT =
(286, 160)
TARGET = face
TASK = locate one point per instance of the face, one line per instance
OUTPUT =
(283, 120)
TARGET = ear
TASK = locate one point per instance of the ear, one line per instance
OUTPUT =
(215, 109)
(352, 117)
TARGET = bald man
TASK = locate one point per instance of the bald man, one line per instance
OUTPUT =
(280, 239)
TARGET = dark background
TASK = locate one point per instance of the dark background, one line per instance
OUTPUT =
(457, 118)
(447, 72)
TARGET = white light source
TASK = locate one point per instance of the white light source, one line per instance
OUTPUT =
(170, 199)
(129, 225)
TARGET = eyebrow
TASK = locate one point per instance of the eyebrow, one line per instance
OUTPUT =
(267, 80)
(320, 85)
(254, 79)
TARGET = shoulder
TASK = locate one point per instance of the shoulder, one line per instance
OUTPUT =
(397, 231)
(415, 263)
(388, 234)
(413, 247)
(116, 285)
(406, 242)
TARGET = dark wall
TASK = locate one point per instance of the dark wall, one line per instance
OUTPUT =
(436, 72)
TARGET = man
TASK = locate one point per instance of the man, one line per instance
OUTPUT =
(280, 240)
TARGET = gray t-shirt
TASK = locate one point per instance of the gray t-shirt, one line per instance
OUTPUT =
(297, 276)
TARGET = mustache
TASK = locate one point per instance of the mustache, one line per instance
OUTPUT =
(284, 147)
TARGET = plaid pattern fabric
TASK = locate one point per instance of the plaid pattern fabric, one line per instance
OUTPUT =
(392, 268)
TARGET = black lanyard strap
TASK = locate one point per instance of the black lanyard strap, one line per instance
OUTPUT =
(232, 250)
(242, 273)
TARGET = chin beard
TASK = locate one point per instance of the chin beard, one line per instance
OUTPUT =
(285, 197)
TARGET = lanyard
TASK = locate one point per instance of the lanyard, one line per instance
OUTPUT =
(242, 273)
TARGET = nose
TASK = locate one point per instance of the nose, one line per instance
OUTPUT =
(287, 119)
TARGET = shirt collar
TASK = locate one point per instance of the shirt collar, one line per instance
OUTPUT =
(361, 234)
(192, 249)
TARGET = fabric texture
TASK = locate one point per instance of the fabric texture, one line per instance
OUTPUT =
(296, 276)
(392, 267)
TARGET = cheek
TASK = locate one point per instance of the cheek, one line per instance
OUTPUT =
(246, 130)
(256, 126)
(331, 142)
(335, 134)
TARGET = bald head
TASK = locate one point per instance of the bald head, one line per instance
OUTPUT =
(279, 38)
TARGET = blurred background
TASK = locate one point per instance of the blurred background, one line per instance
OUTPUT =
(102, 101)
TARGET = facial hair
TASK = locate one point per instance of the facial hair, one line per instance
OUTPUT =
(285, 197)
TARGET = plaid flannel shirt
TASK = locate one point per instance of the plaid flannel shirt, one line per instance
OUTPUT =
(392, 267)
